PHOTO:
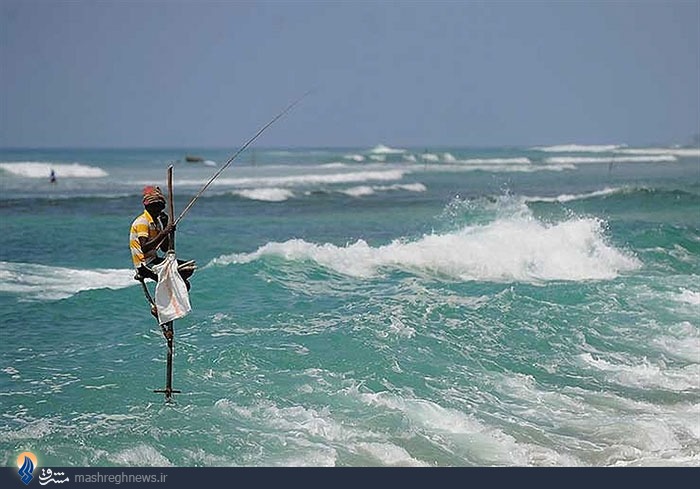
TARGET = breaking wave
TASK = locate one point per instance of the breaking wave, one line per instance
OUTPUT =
(42, 282)
(381, 149)
(301, 180)
(272, 194)
(276, 194)
(31, 169)
(588, 195)
(518, 249)
(681, 152)
(579, 148)
(365, 190)
(576, 160)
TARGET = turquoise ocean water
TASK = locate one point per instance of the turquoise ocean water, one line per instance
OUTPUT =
(358, 307)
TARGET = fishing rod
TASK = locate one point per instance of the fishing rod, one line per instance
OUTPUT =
(243, 148)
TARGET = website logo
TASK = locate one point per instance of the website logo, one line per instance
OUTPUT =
(27, 463)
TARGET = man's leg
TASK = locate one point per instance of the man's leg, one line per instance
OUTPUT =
(186, 268)
(146, 272)
(142, 273)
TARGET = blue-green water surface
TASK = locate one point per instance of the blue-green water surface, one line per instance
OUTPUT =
(358, 307)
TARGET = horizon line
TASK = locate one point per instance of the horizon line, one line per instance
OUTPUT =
(188, 149)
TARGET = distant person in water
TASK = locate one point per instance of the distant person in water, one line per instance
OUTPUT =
(150, 232)
(52, 178)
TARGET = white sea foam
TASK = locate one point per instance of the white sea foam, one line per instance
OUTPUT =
(31, 169)
(100, 387)
(355, 157)
(520, 167)
(301, 180)
(198, 457)
(430, 157)
(681, 341)
(507, 250)
(388, 454)
(577, 160)
(313, 433)
(463, 434)
(579, 148)
(33, 430)
(450, 159)
(689, 297)
(290, 420)
(681, 152)
(411, 187)
(360, 191)
(620, 149)
(645, 374)
(494, 161)
(572, 197)
(364, 190)
(381, 149)
(10, 371)
(141, 455)
(266, 194)
(42, 282)
(624, 431)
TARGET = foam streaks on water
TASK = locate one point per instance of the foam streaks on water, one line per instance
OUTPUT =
(398, 307)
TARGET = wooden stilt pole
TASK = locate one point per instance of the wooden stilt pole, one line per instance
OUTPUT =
(169, 334)
(168, 329)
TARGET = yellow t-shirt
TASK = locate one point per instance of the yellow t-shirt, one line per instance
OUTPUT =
(143, 227)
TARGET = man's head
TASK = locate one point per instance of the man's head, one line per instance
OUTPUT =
(153, 200)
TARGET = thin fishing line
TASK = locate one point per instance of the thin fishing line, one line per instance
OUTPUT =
(243, 148)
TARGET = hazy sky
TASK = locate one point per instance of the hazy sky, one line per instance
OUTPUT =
(189, 73)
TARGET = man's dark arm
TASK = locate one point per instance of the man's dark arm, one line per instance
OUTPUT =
(161, 239)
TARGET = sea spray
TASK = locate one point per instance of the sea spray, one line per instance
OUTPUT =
(41, 282)
(520, 249)
(408, 327)
(31, 169)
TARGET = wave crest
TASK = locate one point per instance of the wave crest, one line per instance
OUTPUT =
(42, 282)
(507, 250)
(31, 169)
(579, 148)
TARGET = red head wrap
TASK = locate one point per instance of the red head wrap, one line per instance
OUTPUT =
(152, 194)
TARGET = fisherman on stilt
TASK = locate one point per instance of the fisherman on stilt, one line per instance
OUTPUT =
(154, 230)
(151, 232)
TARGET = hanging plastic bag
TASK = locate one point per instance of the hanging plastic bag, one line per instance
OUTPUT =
(172, 299)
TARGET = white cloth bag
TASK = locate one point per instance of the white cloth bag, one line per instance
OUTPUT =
(172, 299)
